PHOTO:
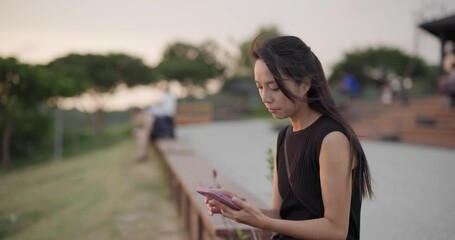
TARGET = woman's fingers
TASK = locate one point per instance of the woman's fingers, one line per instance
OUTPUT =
(231, 194)
(226, 192)
(216, 207)
(240, 202)
(211, 207)
(238, 216)
(248, 215)
(226, 211)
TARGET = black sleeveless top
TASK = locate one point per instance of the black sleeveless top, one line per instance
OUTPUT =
(304, 200)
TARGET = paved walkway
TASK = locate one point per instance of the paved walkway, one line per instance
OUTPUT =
(413, 184)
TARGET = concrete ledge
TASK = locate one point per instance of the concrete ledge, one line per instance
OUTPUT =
(185, 171)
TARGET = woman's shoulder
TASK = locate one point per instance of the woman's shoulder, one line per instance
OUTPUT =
(327, 125)
(330, 123)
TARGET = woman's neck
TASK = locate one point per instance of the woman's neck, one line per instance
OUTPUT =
(303, 118)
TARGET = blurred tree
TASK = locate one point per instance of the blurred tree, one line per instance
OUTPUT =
(73, 65)
(244, 65)
(374, 66)
(102, 74)
(23, 88)
(240, 83)
(191, 65)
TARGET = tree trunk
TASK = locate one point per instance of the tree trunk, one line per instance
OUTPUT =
(58, 136)
(97, 121)
(6, 137)
(97, 116)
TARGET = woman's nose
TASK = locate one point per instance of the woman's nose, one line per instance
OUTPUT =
(266, 97)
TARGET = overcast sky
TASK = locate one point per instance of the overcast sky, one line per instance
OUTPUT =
(37, 31)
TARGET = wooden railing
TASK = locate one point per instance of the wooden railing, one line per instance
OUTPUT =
(185, 171)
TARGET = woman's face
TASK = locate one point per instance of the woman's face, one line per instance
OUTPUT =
(273, 98)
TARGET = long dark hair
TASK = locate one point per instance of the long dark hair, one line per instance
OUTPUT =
(289, 58)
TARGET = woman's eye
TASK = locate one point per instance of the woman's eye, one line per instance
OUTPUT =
(273, 87)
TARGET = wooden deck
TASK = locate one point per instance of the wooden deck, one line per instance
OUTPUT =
(426, 121)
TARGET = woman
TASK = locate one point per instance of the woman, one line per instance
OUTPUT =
(321, 172)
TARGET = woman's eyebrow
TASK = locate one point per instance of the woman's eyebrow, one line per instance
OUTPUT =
(266, 82)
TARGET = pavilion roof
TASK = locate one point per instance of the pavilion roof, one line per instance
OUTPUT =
(443, 28)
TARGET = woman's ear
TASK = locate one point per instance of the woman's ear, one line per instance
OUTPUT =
(305, 86)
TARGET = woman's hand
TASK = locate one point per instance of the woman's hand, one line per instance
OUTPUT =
(248, 215)
(213, 205)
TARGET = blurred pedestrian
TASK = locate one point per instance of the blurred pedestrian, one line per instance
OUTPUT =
(169, 105)
(159, 127)
(449, 56)
(350, 88)
(446, 81)
(163, 113)
(450, 87)
(387, 94)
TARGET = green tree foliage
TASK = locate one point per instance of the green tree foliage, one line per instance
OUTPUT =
(32, 133)
(240, 84)
(73, 65)
(372, 65)
(23, 88)
(102, 74)
(190, 64)
(244, 63)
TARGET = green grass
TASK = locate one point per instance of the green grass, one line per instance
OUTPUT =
(98, 195)
(76, 143)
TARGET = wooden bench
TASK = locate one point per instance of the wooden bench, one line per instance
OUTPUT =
(185, 171)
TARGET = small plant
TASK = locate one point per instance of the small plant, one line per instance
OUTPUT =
(270, 164)
(215, 179)
(241, 235)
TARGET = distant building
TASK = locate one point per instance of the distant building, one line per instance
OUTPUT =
(444, 29)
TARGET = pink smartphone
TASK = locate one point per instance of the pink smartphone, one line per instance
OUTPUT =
(217, 195)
